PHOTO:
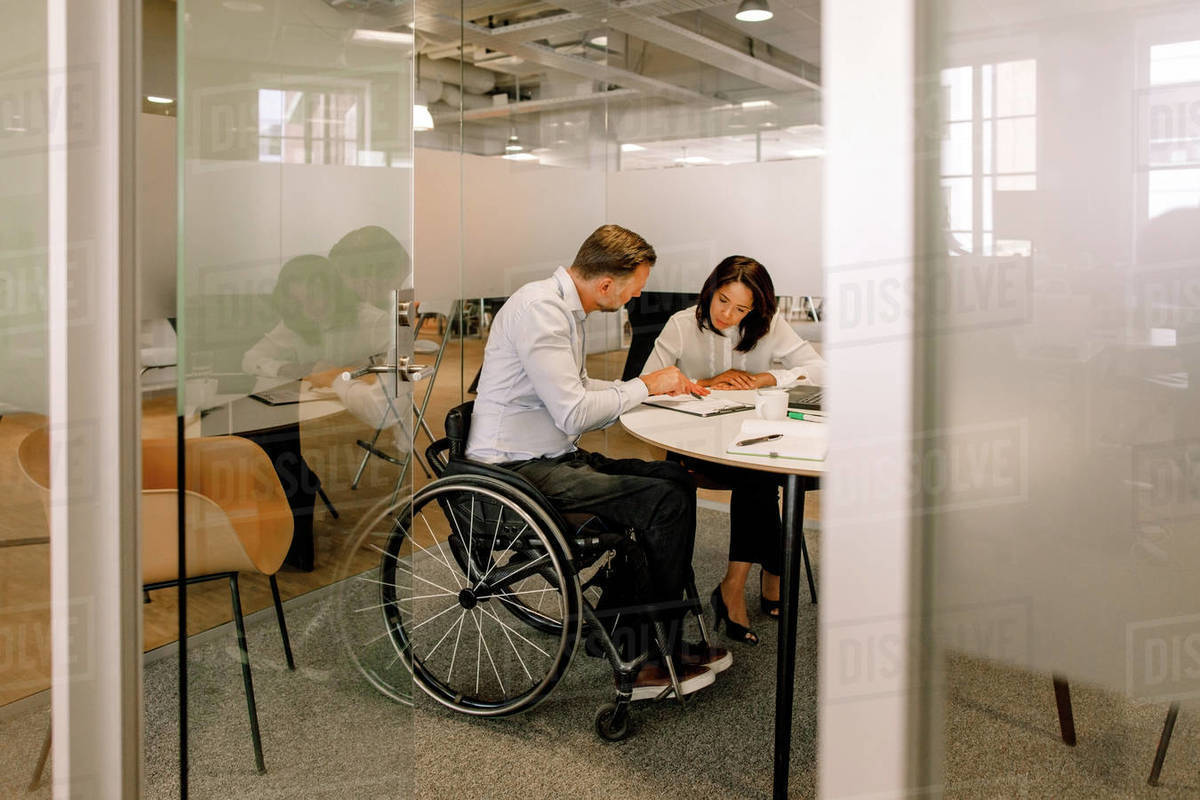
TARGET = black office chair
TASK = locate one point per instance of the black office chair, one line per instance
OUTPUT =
(648, 314)
(484, 550)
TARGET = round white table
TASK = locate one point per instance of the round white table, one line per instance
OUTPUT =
(706, 438)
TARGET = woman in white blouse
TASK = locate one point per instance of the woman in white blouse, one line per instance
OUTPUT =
(324, 329)
(735, 340)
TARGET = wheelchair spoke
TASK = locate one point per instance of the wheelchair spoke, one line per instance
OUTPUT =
(446, 610)
(438, 542)
(507, 550)
(458, 622)
(518, 635)
(406, 600)
(454, 655)
(478, 624)
(516, 652)
(511, 575)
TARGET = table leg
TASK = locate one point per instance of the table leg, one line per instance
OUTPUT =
(785, 675)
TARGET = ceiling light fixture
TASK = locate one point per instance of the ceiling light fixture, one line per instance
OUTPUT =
(520, 156)
(422, 119)
(753, 11)
(160, 100)
(630, 147)
(382, 37)
(513, 145)
(693, 160)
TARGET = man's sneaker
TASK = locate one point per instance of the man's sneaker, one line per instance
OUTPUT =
(717, 659)
(653, 678)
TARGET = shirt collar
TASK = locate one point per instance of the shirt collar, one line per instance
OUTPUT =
(568, 292)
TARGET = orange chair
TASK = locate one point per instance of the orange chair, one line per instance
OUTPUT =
(237, 519)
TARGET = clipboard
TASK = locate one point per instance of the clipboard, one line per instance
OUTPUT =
(704, 407)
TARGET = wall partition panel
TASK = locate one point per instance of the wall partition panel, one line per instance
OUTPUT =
(1058, 456)
(294, 433)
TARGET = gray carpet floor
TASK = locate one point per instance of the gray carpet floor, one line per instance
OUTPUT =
(328, 733)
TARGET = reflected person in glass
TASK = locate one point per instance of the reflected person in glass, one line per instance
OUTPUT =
(323, 331)
(734, 335)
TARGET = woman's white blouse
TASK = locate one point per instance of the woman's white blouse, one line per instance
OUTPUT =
(703, 353)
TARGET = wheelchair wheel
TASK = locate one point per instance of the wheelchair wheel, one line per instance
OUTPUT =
(451, 572)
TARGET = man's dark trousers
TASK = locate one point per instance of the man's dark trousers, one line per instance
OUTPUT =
(657, 499)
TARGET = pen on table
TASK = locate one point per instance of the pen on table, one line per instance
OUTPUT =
(806, 416)
(759, 439)
(696, 395)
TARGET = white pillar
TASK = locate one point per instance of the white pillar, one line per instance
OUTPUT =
(870, 677)
(93, 63)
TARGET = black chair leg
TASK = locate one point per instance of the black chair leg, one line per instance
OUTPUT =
(247, 683)
(325, 499)
(283, 631)
(40, 768)
(1066, 716)
(1164, 741)
(812, 587)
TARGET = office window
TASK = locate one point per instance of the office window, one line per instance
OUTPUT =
(1173, 146)
(989, 150)
(311, 126)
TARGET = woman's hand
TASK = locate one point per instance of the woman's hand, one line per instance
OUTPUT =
(732, 379)
(736, 379)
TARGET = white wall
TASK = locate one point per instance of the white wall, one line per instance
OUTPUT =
(521, 220)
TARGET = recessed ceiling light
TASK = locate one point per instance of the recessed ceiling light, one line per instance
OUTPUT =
(693, 160)
(520, 157)
(753, 11)
(807, 152)
(160, 100)
(759, 104)
(513, 145)
(599, 40)
(383, 37)
(630, 147)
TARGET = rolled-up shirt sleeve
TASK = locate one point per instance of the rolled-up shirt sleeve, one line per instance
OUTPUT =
(549, 361)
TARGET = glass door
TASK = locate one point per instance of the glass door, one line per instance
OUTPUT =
(293, 427)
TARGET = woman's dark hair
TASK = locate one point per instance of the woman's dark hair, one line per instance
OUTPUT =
(316, 274)
(752, 275)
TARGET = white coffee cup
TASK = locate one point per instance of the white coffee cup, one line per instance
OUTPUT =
(771, 403)
(200, 392)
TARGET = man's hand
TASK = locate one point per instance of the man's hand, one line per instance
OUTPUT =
(669, 380)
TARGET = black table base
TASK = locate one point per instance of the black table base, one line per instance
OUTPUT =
(785, 676)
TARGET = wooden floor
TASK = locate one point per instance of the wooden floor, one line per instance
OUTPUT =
(329, 447)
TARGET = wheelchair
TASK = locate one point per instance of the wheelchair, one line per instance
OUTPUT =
(486, 590)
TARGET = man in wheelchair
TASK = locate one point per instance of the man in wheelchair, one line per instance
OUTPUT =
(535, 400)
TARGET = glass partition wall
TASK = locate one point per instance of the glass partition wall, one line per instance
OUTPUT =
(1059, 454)
(25, 605)
(292, 429)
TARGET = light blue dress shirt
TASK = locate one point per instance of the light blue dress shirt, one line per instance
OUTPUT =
(535, 398)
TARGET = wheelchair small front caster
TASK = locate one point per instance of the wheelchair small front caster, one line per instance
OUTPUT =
(612, 722)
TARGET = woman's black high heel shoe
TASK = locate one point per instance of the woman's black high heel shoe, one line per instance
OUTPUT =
(738, 633)
(769, 607)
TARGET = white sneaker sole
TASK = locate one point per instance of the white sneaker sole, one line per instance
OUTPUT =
(687, 686)
(721, 664)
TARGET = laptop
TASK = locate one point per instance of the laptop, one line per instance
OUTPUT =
(805, 398)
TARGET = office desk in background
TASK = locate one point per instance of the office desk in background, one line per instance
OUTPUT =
(706, 439)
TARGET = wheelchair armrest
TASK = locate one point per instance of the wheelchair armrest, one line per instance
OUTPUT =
(438, 456)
